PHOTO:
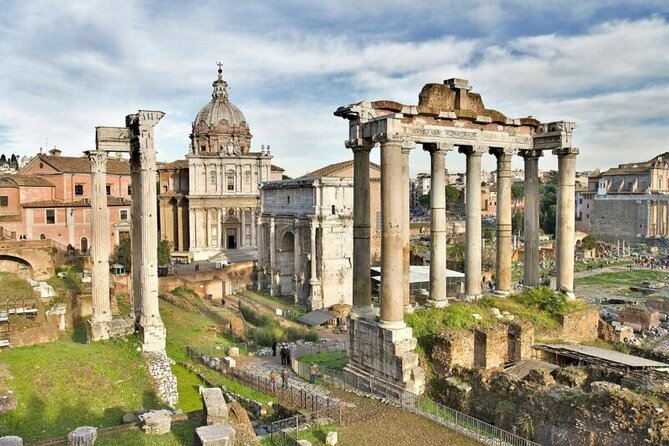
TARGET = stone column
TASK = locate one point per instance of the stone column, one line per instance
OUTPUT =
(99, 246)
(314, 280)
(272, 255)
(242, 237)
(531, 221)
(143, 165)
(362, 283)
(137, 248)
(407, 145)
(180, 245)
(565, 234)
(438, 288)
(254, 242)
(192, 223)
(297, 267)
(392, 242)
(504, 248)
(473, 222)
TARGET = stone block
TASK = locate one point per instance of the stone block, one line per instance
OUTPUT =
(11, 440)
(230, 362)
(233, 352)
(215, 407)
(215, 435)
(331, 438)
(303, 443)
(82, 436)
(156, 422)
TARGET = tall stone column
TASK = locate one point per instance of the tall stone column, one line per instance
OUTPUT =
(99, 246)
(137, 248)
(362, 283)
(180, 245)
(438, 286)
(407, 145)
(531, 221)
(143, 166)
(565, 234)
(504, 248)
(297, 267)
(392, 241)
(315, 295)
(242, 238)
(192, 224)
(254, 241)
(272, 255)
(473, 222)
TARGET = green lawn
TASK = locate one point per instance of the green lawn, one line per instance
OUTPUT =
(182, 433)
(623, 278)
(335, 360)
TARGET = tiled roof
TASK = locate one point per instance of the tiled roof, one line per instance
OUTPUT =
(24, 180)
(631, 170)
(80, 164)
(178, 164)
(111, 201)
(277, 169)
(332, 169)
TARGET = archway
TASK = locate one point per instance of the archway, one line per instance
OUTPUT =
(286, 264)
(83, 244)
(231, 230)
(17, 266)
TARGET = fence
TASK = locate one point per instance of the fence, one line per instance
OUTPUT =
(419, 404)
(295, 396)
(286, 432)
(304, 350)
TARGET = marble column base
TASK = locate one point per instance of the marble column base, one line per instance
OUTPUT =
(152, 337)
(365, 313)
(437, 303)
(570, 294)
(501, 293)
(472, 297)
(97, 331)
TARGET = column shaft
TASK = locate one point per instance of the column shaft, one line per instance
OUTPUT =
(531, 222)
(137, 248)
(406, 231)
(392, 242)
(180, 244)
(362, 283)
(438, 285)
(473, 223)
(272, 255)
(99, 237)
(504, 248)
(566, 220)
(254, 241)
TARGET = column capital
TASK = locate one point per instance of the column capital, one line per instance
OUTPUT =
(98, 160)
(502, 151)
(473, 150)
(566, 152)
(359, 144)
(438, 147)
(531, 153)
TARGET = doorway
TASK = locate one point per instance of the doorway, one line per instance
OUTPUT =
(231, 235)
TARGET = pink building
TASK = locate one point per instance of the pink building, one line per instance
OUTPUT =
(50, 199)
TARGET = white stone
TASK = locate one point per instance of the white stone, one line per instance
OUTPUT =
(215, 435)
(11, 440)
(230, 362)
(303, 443)
(82, 436)
(477, 316)
(215, 407)
(331, 438)
(233, 351)
(156, 422)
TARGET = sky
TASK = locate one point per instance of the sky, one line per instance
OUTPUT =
(68, 66)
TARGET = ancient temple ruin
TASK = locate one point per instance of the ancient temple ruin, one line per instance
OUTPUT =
(448, 117)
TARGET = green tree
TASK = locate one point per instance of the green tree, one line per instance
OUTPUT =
(424, 200)
(517, 223)
(589, 242)
(123, 254)
(164, 251)
(547, 206)
(517, 191)
(452, 195)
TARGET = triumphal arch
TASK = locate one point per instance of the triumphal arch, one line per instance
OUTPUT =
(448, 117)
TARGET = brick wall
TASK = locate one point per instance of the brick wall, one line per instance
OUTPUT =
(580, 326)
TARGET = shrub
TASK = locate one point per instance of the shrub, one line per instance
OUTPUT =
(257, 318)
(183, 291)
(544, 298)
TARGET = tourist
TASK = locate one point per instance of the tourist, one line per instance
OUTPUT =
(284, 377)
(273, 347)
(282, 353)
(273, 378)
(313, 372)
(287, 356)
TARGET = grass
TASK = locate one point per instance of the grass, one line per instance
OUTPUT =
(623, 278)
(13, 287)
(265, 328)
(111, 380)
(335, 360)
(181, 433)
(315, 434)
(233, 386)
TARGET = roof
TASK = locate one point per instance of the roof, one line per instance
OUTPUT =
(24, 180)
(277, 168)
(80, 164)
(316, 317)
(631, 170)
(597, 354)
(421, 273)
(332, 169)
(178, 164)
(111, 201)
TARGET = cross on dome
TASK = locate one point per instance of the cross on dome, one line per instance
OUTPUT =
(220, 86)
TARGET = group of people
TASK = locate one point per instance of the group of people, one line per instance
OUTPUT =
(284, 352)
(274, 378)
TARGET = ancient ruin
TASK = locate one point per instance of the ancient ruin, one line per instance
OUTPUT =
(448, 116)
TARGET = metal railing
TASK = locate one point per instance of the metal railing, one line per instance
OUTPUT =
(419, 404)
(304, 350)
(286, 432)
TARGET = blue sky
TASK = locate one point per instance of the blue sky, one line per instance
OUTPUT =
(67, 66)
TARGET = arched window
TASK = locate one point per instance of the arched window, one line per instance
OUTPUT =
(212, 177)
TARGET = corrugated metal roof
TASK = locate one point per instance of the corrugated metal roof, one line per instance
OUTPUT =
(607, 355)
(421, 273)
(316, 317)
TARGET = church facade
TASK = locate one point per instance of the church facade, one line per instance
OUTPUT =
(209, 202)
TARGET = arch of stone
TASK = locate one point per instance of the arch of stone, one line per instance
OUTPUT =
(136, 138)
(448, 116)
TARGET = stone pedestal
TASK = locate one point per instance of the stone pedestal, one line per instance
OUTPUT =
(11, 440)
(382, 353)
(215, 435)
(82, 436)
(97, 330)
(215, 407)
(156, 422)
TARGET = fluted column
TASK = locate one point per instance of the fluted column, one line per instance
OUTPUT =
(272, 255)
(407, 145)
(315, 292)
(504, 248)
(143, 166)
(362, 283)
(242, 237)
(297, 267)
(392, 242)
(473, 222)
(565, 234)
(254, 241)
(531, 221)
(99, 242)
(438, 285)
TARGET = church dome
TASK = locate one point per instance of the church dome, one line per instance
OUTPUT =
(220, 127)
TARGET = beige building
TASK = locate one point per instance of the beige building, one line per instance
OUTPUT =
(306, 235)
(209, 201)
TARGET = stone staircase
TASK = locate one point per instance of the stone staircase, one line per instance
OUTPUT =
(244, 254)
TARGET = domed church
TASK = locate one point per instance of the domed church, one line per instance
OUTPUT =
(209, 202)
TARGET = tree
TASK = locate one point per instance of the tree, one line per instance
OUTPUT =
(164, 251)
(14, 161)
(424, 200)
(517, 223)
(517, 191)
(547, 206)
(3, 159)
(589, 242)
(123, 254)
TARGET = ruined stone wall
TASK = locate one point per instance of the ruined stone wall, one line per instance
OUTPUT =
(453, 349)
(619, 217)
(520, 341)
(640, 316)
(579, 326)
(161, 372)
(491, 347)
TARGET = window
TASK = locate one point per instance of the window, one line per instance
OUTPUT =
(230, 181)
(78, 190)
(288, 199)
(50, 216)
(4, 201)
(212, 177)
(129, 190)
(334, 210)
(108, 189)
(124, 214)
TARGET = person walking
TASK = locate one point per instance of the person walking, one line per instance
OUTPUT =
(273, 378)
(313, 372)
(284, 377)
(273, 347)
(282, 353)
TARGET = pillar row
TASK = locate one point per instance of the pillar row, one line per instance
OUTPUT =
(566, 219)
(473, 222)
